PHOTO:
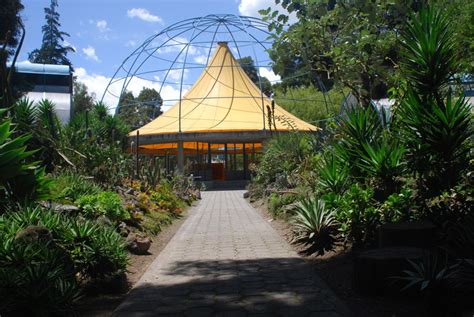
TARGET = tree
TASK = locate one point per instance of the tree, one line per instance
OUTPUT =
(10, 21)
(137, 112)
(353, 42)
(82, 100)
(248, 65)
(149, 104)
(53, 50)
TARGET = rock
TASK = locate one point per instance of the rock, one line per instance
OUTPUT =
(374, 270)
(104, 220)
(123, 229)
(65, 208)
(138, 245)
(246, 195)
(410, 234)
(34, 233)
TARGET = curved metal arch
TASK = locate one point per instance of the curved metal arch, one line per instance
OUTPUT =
(242, 31)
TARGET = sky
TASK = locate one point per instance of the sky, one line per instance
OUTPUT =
(104, 32)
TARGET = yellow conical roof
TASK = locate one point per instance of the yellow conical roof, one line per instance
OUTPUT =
(223, 99)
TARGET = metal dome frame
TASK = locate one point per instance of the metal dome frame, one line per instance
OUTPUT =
(213, 24)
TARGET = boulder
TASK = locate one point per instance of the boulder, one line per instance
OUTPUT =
(138, 245)
(375, 271)
(410, 234)
(34, 234)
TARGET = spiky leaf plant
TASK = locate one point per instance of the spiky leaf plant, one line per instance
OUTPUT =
(436, 126)
(314, 226)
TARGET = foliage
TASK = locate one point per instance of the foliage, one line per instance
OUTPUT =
(436, 127)
(108, 204)
(53, 50)
(70, 186)
(35, 279)
(314, 225)
(19, 180)
(93, 250)
(308, 103)
(94, 143)
(280, 203)
(353, 43)
(165, 199)
(333, 175)
(42, 123)
(283, 155)
(82, 100)
(398, 206)
(137, 112)
(358, 127)
(358, 215)
(10, 21)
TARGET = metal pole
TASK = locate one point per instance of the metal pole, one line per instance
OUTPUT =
(136, 157)
(244, 153)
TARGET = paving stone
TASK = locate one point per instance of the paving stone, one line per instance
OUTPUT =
(226, 260)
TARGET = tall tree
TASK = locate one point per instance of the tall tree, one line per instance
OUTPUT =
(353, 42)
(10, 24)
(10, 21)
(82, 100)
(248, 65)
(53, 50)
(149, 104)
(138, 111)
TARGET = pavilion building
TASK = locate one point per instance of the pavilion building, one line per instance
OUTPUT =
(218, 127)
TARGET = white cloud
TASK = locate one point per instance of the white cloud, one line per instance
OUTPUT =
(143, 14)
(102, 26)
(201, 59)
(90, 53)
(251, 8)
(98, 83)
(175, 74)
(270, 75)
(131, 43)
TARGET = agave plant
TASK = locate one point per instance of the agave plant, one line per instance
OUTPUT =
(314, 226)
(19, 180)
(384, 161)
(436, 126)
(358, 128)
(333, 175)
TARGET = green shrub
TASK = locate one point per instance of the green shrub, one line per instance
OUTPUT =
(278, 202)
(333, 176)
(35, 279)
(96, 251)
(314, 225)
(436, 126)
(358, 214)
(398, 206)
(70, 186)
(20, 180)
(93, 250)
(104, 203)
(166, 200)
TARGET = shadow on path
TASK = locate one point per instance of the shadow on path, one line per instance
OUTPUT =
(268, 286)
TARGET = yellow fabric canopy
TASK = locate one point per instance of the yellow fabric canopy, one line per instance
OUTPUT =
(223, 99)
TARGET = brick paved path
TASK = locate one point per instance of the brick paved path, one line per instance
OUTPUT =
(226, 260)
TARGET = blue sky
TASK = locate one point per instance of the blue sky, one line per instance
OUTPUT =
(104, 32)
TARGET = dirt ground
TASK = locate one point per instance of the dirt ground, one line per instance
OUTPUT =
(97, 303)
(335, 268)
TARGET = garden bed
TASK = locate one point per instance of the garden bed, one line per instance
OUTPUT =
(101, 301)
(336, 269)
